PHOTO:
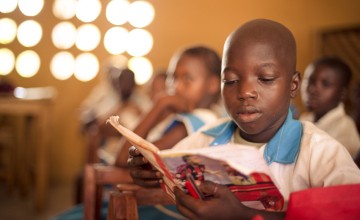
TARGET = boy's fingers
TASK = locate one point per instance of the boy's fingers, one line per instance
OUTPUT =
(147, 183)
(133, 151)
(136, 161)
(182, 204)
(145, 174)
(146, 178)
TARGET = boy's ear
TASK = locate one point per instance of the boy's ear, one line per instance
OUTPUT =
(214, 85)
(295, 84)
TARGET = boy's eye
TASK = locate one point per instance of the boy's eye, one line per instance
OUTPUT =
(267, 80)
(230, 82)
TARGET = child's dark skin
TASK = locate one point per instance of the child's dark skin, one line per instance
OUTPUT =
(325, 89)
(259, 80)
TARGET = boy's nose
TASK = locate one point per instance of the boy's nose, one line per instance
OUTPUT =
(246, 91)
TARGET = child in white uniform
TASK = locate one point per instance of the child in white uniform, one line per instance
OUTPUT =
(324, 88)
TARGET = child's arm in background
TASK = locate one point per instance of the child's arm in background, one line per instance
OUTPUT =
(165, 106)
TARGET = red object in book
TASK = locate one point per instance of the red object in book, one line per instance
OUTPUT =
(330, 203)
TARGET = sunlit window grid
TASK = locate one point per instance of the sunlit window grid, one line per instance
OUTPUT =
(7, 61)
(30, 8)
(8, 30)
(27, 63)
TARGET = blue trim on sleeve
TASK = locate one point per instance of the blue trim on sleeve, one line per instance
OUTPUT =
(191, 122)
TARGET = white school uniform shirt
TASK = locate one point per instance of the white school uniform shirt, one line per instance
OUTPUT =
(319, 161)
(339, 126)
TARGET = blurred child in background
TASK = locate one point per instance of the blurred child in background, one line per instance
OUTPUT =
(324, 89)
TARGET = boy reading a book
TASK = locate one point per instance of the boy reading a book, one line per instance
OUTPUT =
(259, 79)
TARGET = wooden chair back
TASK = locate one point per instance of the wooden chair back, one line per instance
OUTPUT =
(123, 204)
(95, 177)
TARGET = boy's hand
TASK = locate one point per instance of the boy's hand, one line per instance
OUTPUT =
(141, 171)
(223, 204)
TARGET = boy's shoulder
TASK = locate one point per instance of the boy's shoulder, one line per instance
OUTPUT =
(310, 130)
(314, 138)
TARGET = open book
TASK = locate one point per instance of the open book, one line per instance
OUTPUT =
(239, 167)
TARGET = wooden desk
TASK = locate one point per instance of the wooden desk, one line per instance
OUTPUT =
(39, 111)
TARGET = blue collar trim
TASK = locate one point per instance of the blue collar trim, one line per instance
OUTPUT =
(282, 148)
(191, 122)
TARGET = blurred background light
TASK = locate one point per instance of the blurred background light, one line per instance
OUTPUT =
(64, 9)
(141, 14)
(27, 63)
(86, 67)
(62, 65)
(29, 33)
(88, 10)
(116, 40)
(35, 93)
(7, 30)
(140, 42)
(117, 12)
(88, 37)
(7, 61)
(63, 35)
(30, 7)
(142, 68)
(7, 6)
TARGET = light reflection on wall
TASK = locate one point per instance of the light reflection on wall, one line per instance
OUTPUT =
(29, 33)
(132, 42)
(10, 26)
(64, 35)
(86, 67)
(7, 59)
(62, 65)
(27, 63)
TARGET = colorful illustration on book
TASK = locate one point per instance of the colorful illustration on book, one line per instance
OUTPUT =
(255, 190)
(192, 167)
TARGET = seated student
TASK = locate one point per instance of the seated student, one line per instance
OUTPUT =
(133, 105)
(259, 79)
(194, 78)
(193, 82)
(110, 94)
(324, 88)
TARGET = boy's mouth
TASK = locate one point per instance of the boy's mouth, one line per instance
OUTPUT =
(248, 115)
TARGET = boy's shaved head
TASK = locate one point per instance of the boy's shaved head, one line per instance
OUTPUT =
(266, 32)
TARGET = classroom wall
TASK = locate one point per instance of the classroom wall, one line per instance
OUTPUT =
(177, 23)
